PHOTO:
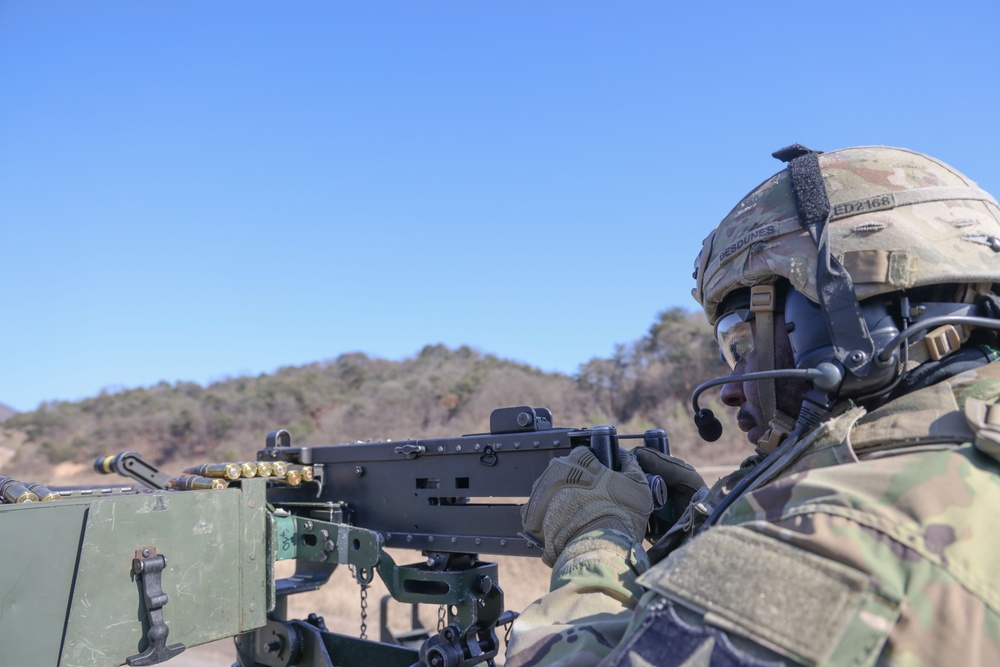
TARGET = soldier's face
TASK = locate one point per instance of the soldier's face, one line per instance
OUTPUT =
(746, 396)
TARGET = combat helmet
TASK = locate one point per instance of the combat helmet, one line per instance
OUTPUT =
(848, 237)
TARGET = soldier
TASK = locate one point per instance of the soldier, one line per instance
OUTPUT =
(854, 295)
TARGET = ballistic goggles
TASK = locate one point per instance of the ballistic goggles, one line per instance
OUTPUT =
(734, 335)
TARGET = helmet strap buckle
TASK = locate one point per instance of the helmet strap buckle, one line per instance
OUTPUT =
(777, 430)
(937, 344)
(943, 341)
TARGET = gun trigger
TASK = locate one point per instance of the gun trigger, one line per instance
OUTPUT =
(411, 451)
(532, 541)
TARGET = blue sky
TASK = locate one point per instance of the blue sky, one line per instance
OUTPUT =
(193, 190)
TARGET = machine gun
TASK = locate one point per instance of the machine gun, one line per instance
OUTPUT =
(97, 594)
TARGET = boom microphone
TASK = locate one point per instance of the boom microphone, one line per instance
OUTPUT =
(825, 376)
(709, 426)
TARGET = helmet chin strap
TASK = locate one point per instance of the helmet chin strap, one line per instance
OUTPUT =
(779, 425)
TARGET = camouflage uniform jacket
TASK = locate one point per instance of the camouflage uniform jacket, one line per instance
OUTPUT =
(875, 545)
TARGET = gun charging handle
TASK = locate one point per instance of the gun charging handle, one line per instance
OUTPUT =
(604, 443)
(656, 438)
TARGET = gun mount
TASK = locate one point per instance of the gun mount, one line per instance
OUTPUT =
(133, 575)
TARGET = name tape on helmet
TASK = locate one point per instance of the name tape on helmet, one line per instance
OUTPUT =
(756, 235)
(890, 200)
(766, 232)
(867, 205)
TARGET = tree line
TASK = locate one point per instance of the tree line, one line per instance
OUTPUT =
(437, 392)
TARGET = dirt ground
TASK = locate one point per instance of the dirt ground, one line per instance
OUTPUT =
(522, 580)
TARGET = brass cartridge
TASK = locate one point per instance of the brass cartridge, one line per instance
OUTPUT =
(44, 494)
(189, 482)
(216, 470)
(306, 472)
(13, 491)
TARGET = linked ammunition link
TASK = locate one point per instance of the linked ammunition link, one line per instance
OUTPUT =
(278, 472)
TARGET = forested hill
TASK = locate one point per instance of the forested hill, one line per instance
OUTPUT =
(438, 392)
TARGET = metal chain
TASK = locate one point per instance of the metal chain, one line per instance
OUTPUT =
(364, 603)
(442, 611)
(364, 611)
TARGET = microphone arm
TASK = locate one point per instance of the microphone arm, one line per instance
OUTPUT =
(826, 376)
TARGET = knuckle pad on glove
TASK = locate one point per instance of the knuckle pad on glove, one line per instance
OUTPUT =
(632, 494)
(577, 493)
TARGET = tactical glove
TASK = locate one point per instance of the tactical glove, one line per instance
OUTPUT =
(682, 482)
(576, 494)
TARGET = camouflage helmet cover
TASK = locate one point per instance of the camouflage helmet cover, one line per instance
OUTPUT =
(898, 219)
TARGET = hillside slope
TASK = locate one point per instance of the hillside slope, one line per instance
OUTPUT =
(438, 392)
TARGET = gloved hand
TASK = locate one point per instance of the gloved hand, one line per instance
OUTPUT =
(576, 494)
(682, 482)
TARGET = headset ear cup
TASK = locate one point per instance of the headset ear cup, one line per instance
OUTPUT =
(807, 331)
(812, 346)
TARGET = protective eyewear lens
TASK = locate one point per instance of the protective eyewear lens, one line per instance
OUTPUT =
(735, 336)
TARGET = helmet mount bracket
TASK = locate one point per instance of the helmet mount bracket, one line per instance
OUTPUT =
(852, 342)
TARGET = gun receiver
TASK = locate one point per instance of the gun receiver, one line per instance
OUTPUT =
(452, 499)
(450, 495)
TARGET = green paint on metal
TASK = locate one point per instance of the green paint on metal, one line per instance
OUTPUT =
(67, 593)
(284, 537)
(38, 552)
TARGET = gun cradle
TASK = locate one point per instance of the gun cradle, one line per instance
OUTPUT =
(88, 602)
